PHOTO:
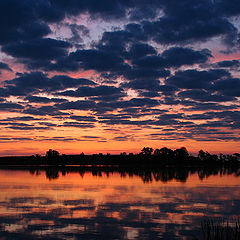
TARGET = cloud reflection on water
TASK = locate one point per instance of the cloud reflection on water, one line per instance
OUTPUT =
(110, 207)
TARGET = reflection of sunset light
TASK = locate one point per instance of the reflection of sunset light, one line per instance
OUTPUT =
(83, 199)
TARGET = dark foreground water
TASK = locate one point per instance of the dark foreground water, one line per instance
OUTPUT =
(99, 205)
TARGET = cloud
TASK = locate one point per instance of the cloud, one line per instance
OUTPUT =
(227, 64)
(98, 60)
(204, 96)
(25, 22)
(192, 79)
(174, 57)
(119, 40)
(25, 118)
(78, 105)
(77, 125)
(83, 118)
(148, 94)
(28, 128)
(93, 91)
(4, 66)
(150, 84)
(77, 32)
(229, 8)
(145, 73)
(132, 103)
(228, 87)
(123, 138)
(106, 9)
(205, 106)
(179, 56)
(40, 49)
(149, 65)
(36, 99)
(138, 50)
(43, 111)
(34, 82)
(10, 106)
(187, 22)
(154, 62)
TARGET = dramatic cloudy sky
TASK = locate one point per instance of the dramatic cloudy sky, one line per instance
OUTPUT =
(117, 75)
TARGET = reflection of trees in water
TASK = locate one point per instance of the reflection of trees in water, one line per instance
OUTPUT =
(147, 175)
(53, 173)
(205, 173)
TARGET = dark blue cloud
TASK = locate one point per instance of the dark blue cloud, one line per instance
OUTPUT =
(117, 41)
(138, 50)
(28, 128)
(66, 81)
(191, 79)
(14, 119)
(19, 20)
(40, 49)
(98, 60)
(174, 57)
(181, 21)
(83, 118)
(206, 106)
(187, 22)
(228, 8)
(154, 62)
(97, 91)
(8, 106)
(179, 56)
(44, 111)
(148, 11)
(167, 89)
(145, 73)
(228, 64)
(133, 103)
(77, 125)
(78, 105)
(150, 84)
(106, 9)
(204, 96)
(36, 99)
(4, 92)
(4, 66)
(228, 87)
(35, 82)
(148, 94)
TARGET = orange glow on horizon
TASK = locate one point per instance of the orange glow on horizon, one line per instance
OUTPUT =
(112, 147)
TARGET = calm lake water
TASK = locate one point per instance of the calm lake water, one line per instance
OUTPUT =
(100, 205)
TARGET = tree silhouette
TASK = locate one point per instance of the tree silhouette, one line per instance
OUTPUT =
(181, 153)
(123, 153)
(147, 151)
(157, 152)
(201, 155)
(52, 154)
(166, 152)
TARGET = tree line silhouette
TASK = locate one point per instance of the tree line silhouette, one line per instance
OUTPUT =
(147, 157)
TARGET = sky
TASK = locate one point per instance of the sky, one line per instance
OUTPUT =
(117, 75)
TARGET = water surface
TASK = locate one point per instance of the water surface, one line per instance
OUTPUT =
(103, 205)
